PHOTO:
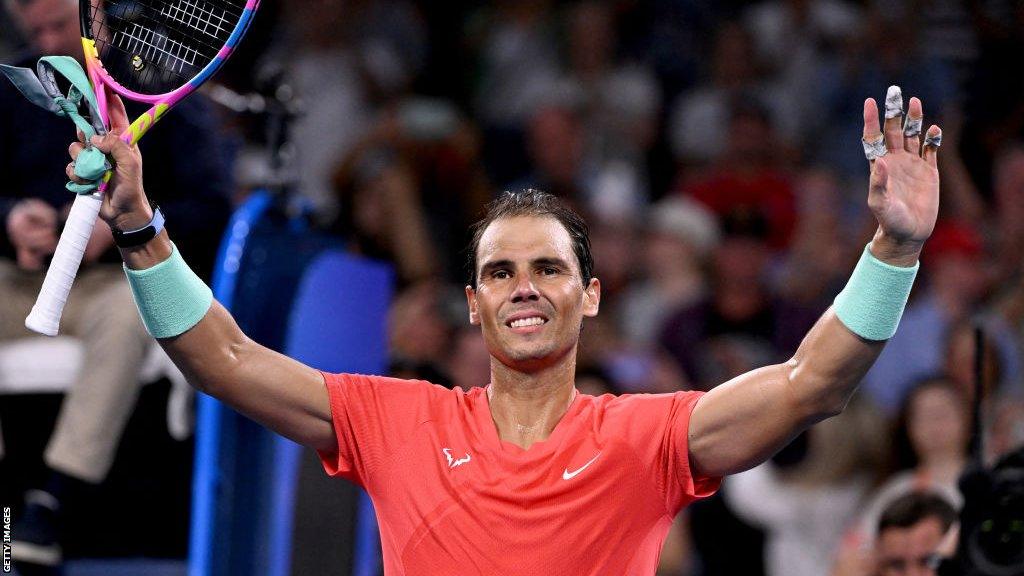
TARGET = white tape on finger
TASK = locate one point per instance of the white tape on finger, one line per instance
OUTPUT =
(893, 102)
(45, 315)
(912, 126)
(875, 148)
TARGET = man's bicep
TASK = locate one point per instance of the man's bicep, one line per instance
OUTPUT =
(741, 423)
(286, 396)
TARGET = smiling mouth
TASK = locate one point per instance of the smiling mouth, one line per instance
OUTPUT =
(526, 322)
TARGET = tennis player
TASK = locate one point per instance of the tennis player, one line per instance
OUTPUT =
(526, 476)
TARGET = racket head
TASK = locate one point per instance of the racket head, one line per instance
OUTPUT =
(151, 50)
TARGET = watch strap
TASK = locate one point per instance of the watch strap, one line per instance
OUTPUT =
(139, 236)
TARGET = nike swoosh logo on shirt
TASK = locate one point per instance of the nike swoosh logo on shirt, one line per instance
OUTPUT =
(566, 475)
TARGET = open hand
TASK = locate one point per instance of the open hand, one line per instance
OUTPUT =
(903, 193)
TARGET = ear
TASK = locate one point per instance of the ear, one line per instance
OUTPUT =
(592, 298)
(474, 314)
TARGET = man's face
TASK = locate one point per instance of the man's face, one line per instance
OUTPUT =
(910, 551)
(50, 25)
(530, 300)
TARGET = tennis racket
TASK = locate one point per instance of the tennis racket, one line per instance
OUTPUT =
(152, 51)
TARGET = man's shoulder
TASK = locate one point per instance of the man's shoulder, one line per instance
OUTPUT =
(641, 403)
(393, 387)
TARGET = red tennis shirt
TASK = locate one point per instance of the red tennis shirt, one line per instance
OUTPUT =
(597, 497)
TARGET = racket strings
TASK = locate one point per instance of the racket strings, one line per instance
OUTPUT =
(155, 46)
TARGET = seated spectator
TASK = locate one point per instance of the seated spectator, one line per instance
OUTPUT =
(740, 314)
(381, 214)
(955, 284)
(407, 187)
(193, 193)
(915, 533)
(911, 533)
(469, 364)
(680, 237)
(734, 76)
(748, 176)
(806, 506)
(931, 450)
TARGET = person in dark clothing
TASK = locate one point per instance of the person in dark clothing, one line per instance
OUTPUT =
(191, 184)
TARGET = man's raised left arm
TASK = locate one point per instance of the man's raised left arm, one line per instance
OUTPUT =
(741, 423)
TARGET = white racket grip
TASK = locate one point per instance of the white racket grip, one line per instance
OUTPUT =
(45, 315)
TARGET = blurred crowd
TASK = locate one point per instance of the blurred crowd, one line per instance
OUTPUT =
(714, 149)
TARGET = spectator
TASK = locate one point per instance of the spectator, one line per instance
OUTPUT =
(620, 105)
(740, 320)
(955, 287)
(805, 507)
(887, 52)
(810, 273)
(994, 105)
(911, 532)
(348, 56)
(735, 78)
(518, 62)
(468, 363)
(748, 178)
(915, 533)
(193, 193)
(931, 450)
(796, 40)
(419, 326)
(680, 237)
(1008, 205)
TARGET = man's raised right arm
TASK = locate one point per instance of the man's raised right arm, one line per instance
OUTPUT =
(214, 354)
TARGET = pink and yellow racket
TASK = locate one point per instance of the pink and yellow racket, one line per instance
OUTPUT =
(152, 51)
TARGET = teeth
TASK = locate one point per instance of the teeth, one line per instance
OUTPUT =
(533, 321)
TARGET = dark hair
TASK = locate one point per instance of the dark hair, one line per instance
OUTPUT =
(531, 202)
(910, 509)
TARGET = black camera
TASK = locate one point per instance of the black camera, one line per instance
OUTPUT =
(992, 521)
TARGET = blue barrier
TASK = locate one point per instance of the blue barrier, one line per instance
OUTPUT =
(205, 477)
(241, 523)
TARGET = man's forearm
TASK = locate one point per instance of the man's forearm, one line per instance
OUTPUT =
(217, 358)
(832, 359)
(203, 354)
(744, 421)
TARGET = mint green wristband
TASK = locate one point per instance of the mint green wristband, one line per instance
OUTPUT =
(872, 302)
(170, 297)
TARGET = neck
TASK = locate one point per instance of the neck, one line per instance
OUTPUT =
(526, 407)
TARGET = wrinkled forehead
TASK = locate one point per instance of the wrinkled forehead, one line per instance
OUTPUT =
(525, 238)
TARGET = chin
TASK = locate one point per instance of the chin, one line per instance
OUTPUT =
(532, 358)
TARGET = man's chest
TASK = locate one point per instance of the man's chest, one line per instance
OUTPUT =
(457, 496)
(585, 476)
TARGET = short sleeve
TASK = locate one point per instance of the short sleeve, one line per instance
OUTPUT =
(658, 426)
(373, 416)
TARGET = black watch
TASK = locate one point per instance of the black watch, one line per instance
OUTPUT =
(129, 238)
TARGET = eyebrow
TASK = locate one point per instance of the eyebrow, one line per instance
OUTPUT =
(489, 267)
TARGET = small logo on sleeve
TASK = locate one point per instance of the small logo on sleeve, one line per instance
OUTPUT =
(452, 462)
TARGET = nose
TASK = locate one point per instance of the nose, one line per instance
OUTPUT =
(524, 290)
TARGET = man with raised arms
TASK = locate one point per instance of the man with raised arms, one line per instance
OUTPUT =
(527, 476)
